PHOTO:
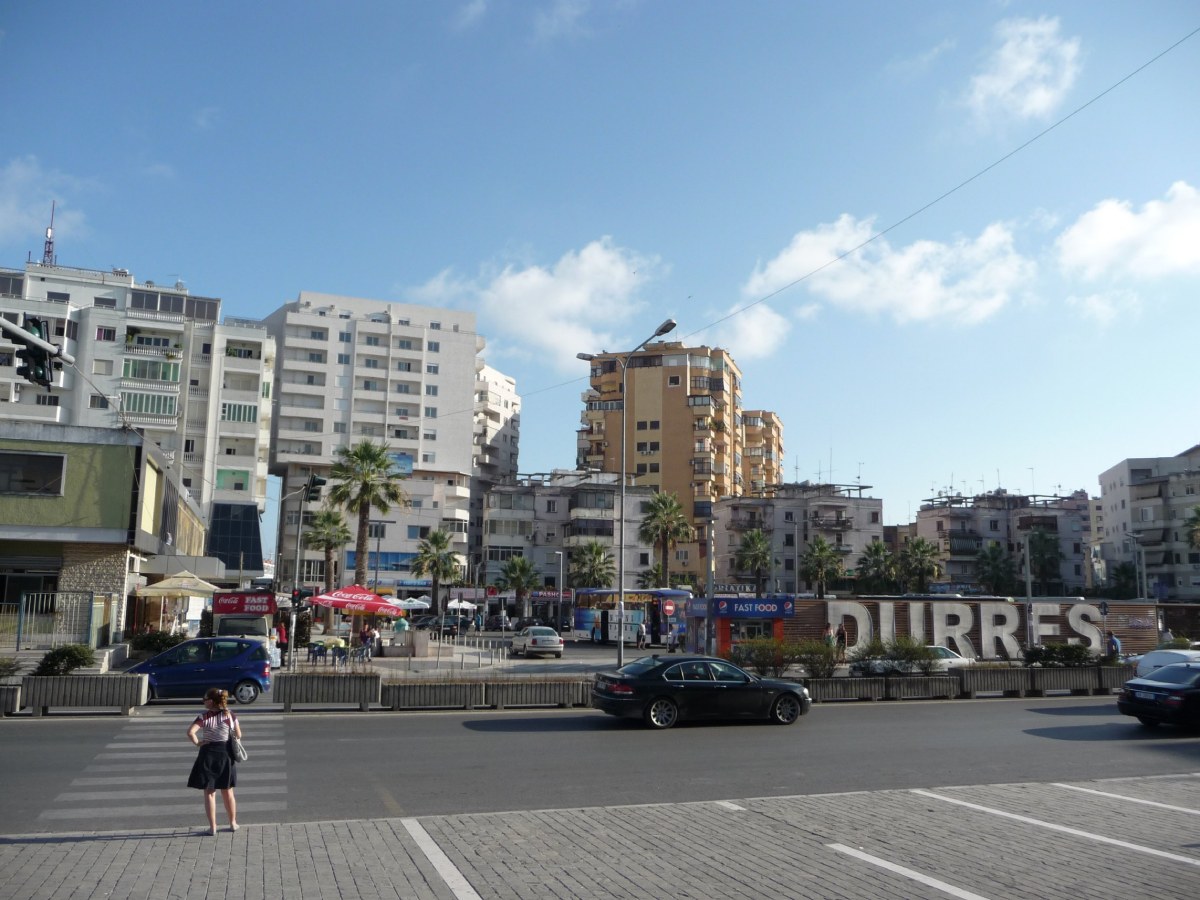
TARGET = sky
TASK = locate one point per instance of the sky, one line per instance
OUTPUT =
(954, 245)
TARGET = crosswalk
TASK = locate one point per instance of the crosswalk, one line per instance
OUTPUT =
(140, 778)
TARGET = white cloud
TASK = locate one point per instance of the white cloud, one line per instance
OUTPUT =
(1113, 239)
(205, 118)
(1029, 74)
(754, 333)
(583, 303)
(562, 18)
(966, 281)
(1104, 309)
(26, 194)
(922, 62)
(470, 14)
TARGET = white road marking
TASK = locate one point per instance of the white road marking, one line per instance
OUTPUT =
(1182, 809)
(103, 813)
(728, 805)
(126, 746)
(907, 873)
(450, 874)
(181, 754)
(1063, 829)
(181, 791)
(177, 778)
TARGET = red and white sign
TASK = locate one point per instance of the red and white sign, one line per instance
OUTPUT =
(492, 591)
(254, 603)
(669, 607)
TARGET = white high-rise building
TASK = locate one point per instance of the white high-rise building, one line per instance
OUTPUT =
(155, 359)
(497, 447)
(398, 374)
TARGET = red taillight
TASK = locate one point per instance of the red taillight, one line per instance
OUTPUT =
(619, 688)
(1172, 700)
(266, 671)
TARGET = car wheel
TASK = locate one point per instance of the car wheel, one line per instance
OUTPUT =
(245, 692)
(558, 656)
(786, 709)
(662, 713)
(1148, 722)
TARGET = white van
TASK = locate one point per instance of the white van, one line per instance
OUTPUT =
(247, 614)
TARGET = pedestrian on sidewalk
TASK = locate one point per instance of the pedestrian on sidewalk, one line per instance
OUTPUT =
(840, 640)
(214, 769)
(641, 636)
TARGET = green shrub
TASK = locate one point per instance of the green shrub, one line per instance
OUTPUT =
(155, 642)
(766, 656)
(65, 659)
(818, 658)
(9, 666)
(868, 651)
(1060, 656)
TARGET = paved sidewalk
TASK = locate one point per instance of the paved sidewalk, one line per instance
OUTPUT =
(1106, 840)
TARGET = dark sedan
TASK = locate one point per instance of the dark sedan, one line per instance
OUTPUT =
(1170, 694)
(662, 690)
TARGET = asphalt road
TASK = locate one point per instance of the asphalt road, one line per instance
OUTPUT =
(67, 773)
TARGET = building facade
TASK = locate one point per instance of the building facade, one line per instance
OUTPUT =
(684, 432)
(791, 518)
(1146, 504)
(496, 451)
(157, 360)
(404, 375)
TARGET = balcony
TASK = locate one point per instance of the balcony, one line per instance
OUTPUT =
(747, 523)
(832, 523)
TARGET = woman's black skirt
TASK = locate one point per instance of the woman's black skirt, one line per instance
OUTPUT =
(213, 769)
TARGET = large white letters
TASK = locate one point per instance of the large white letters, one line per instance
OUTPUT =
(1081, 619)
(944, 631)
(998, 622)
(840, 609)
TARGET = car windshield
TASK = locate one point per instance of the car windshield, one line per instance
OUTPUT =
(542, 632)
(1183, 674)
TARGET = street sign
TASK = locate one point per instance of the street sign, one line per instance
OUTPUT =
(492, 591)
(1104, 607)
(669, 607)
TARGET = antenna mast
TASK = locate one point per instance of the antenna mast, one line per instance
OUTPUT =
(48, 248)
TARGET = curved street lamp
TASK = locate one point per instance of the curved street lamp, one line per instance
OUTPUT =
(664, 328)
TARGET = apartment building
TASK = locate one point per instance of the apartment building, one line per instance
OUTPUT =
(1146, 504)
(684, 431)
(962, 526)
(400, 374)
(539, 516)
(791, 518)
(762, 453)
(496, 450)
(158, 360)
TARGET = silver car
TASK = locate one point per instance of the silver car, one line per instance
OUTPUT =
(537, 640)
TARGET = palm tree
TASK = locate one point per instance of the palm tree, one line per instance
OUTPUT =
(436, 560)
(365, 478)
(651, 577)
(876, 569)
(592, 566)
(754, 556)
(1193, 527)
(994, 569)
(1124, 581)
(663, 526)
(1045, 557)
(519, 576)
(919, 563)
(821, 563)
(328, 532)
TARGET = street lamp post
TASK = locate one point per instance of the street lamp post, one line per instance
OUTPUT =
(558, 599)
(378, 539)
(662, 329)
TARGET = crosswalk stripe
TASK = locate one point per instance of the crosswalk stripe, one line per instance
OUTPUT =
(183, 791)
(150, 745)
(179, 754)
(102, 813)
(243, 777)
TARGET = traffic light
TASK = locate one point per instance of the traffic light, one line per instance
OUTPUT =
(299, 606)
(38, 368)
(315, 483)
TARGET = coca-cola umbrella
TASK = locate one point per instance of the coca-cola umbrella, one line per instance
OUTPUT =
(355, 599)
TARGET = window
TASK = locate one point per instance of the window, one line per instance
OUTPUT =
(371, 340)
(376, 530)
(418, 532)
(47, 400)
(641, 425)
(672, 381)
(429, 435)
(435, 326)
(343, 359)
(551, 506)
(369, 385)
(339, 427)
(316, 357)
(58, 297)
(151, 370)
(104, 333)
(428, 457)
(401, 388)
(345, 337)
(97, 401)
(317, 335)
(431, 412)
(371, 363)
(431, 390)
(31, 473)
(431, 369)
(643, 559)
(239, 412)
(404, 344)
(102, 366)
(105, 302)
(433, 346)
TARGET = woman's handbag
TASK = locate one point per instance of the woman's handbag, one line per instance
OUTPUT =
(237, 752)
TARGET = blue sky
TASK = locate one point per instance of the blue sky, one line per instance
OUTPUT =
(576, 171)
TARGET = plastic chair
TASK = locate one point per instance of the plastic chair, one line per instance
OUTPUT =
(315, 652)
(338, 656)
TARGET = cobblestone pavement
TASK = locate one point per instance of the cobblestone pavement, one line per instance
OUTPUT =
(1120, 839)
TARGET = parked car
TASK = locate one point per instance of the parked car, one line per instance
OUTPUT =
(451, 626)
(422, 622)
(1169, 694)
(498, 623)
(526, 622)
(662, 690)
(241, 666)
(944, 660)
(537, 640)
(1156, 659)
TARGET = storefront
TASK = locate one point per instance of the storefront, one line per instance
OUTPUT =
(738, 619)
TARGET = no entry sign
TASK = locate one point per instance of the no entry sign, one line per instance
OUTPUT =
(669, 607)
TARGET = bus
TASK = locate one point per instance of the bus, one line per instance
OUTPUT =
(595, 614)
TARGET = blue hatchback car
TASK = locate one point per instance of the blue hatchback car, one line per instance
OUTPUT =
(241, 666)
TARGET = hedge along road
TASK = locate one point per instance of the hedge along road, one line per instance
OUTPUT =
(312, 767)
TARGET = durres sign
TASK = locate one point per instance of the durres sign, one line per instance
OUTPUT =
(998, 627)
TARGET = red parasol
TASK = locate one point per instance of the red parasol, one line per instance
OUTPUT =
(355, 599)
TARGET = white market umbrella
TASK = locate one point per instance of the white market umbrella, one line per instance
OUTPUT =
(410, 603)
(460, 604)
(182, 584)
